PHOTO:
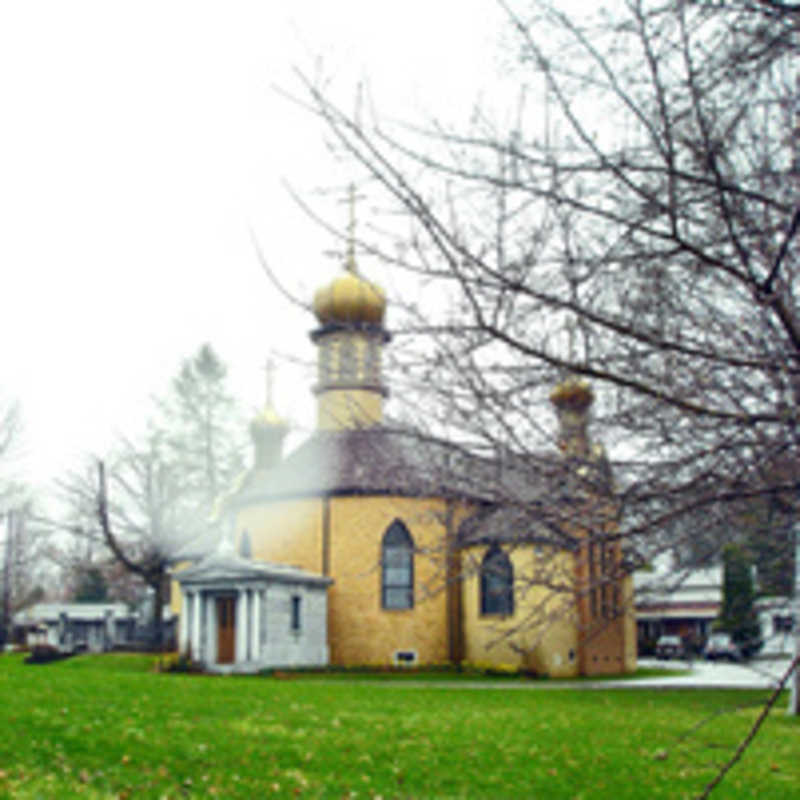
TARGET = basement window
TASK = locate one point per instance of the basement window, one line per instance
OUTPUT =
(405, 658)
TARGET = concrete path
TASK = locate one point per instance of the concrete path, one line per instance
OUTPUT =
(697, 675)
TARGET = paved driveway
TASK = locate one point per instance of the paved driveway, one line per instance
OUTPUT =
(757, 674)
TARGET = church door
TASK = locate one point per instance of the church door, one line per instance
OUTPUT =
(226, 629)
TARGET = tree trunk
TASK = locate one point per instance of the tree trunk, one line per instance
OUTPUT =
(5, 622)
(158, 611)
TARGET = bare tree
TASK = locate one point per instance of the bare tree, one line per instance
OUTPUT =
(635, 224)
(23, 546)
(644, 238)
(152, 500)
(21, 538)
(132, 509)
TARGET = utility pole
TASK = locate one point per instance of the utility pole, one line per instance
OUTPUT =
(5, 619)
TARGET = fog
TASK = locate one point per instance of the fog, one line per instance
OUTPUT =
(140, 144)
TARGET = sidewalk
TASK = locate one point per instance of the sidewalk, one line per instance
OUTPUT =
(756, 674)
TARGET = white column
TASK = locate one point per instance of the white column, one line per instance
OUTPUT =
(255, 622)
(183, 623)
(241, 626)
(197, 598)
(206, 609)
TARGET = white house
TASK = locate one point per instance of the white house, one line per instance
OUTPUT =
(685, 602)
(776, 621)
(77, 626)
(241, 615)
(675, 601)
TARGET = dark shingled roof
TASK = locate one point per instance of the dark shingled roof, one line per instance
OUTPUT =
(364, 461)
(511, 498)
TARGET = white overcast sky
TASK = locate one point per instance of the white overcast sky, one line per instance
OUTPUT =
(138, 141)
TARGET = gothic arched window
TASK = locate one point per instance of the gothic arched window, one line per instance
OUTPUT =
(397, 567)
(497, 583)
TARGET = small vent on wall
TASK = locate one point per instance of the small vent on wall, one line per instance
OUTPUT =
(405, 658)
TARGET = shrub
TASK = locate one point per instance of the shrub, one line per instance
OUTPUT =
(178, 663)
(45, 653)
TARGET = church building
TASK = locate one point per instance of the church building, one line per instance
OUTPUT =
(420, 565)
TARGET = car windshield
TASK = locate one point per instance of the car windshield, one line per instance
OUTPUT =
(669, 640)
(720, 639)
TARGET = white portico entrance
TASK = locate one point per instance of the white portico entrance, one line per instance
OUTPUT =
(243, 615)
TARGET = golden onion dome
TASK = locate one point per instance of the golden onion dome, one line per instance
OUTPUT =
(267, 430)
(350, 299)
(573, 393)
(267, 420)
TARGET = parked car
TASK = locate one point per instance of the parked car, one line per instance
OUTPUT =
(670, 647)
(720, 646)
(750, 647)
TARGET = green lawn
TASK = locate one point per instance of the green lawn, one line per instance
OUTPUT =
(107, 726)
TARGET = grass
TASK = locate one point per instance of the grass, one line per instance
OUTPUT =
(107, 726)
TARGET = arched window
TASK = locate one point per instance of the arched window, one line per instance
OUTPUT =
(497, 583)
(397, 567)
(348, 360)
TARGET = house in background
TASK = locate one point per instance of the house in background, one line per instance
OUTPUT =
(676, 602)
(776, 620)
(685, 602)
(95, 627)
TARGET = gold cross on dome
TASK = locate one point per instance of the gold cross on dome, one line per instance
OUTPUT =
(269, 370)
(350, 258)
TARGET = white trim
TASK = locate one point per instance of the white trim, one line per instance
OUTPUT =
(256, 625)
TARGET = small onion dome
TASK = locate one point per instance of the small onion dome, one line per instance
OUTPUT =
(348, 299)
(572, 394)
(267, 421)
(267, 431)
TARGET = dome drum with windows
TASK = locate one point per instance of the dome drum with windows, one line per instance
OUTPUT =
(349, 385)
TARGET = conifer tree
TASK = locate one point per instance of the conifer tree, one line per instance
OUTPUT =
(738, 616)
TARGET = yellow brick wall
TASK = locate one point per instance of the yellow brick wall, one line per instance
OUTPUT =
(360, 631)
(348, 408)
(175, 603)
(286, 532)
(606, 642)
(541, 634)
(630, 624)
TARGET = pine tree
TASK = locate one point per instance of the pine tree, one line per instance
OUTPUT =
(92, 586)
(738, 616)
(203, 430)
(154, 498)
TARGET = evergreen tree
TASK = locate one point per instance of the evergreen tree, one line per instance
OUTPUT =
(738, 616)
(92, 586)
(154, 498)
(204, 430)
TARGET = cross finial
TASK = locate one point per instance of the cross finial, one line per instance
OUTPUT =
(350, 249)
(269, 370)
(350, 263)
(350, 258)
